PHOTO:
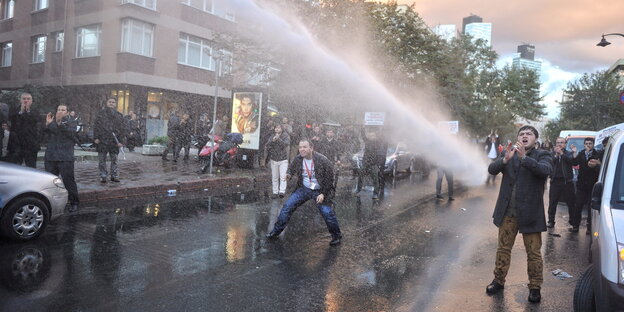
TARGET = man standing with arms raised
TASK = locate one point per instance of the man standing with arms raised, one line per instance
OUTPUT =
(315, 181)
(24, 140)
(561, 184)
(520, 208)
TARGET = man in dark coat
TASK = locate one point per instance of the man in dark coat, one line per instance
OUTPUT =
(25, 133)
(109, 133)
(59, 154)
(373, 161)
(589, 168)
(520, 208)
(315, 181)
(561, 184)
(172, 134)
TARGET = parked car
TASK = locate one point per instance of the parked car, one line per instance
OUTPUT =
(601, 287)
(398, 159)
(29, 200)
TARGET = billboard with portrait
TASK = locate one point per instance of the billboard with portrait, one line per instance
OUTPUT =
(246, 114)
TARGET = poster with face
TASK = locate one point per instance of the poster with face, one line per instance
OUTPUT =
(246, 114)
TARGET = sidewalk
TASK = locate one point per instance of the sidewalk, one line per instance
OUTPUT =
(145, 176)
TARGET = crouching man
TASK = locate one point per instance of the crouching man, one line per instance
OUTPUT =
(315, 181)
(520, 208)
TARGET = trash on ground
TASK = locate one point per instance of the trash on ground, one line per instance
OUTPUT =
(561, 274)
(463, 209)
(427, 231)
(554, 234)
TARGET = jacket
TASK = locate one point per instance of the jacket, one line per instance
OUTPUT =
(107, 122)
(25, 132)
(323, 169)
(488, 146)
(529, 176)
(587, 176)
(566, 163)
(278, 150)
(61, 140)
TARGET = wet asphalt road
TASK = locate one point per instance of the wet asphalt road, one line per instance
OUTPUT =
(405, 253)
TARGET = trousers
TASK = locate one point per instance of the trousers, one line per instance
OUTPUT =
(560, 191)
(66, 170)
(278, 175)
(298, 198)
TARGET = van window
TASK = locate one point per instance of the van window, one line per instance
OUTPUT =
(578, 142)
(605, 162)
(617, 198)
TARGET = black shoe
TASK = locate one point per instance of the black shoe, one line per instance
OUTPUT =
(534, 295)
(281, 195)
(375, 196)
(439, 196)
(73, 208)
(273, 196)
(113, 179)
(165, 159)
(335, 240)
(102, 180)
(272, 235)
(451, 198)
(574, 229)
(494, 287)
(550, 225)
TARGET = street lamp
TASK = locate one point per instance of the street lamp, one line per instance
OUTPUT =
(217, 57)
(603, 42)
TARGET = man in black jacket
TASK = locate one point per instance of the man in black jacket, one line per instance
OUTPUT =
(109, 134)
(59, 155)
(315, 181)
(589, 167)
(520, 208)
(561, 184)
(25, 133)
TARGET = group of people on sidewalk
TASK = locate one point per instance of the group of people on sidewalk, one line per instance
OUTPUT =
(520, 206)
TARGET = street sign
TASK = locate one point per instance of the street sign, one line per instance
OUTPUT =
(622, 98)
(374, 118)
(451, 126)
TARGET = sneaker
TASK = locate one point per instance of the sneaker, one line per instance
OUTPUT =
(335, 240)
(574, 229)
(451, 198)
(534, 295)
(281, 195)
(73, 208)
(439, 197)
(102, 180)
(494, 287)
(550, 225)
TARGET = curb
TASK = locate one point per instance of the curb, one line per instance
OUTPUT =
(210, 186)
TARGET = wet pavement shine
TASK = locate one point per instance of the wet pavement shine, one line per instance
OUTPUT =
(408, 252)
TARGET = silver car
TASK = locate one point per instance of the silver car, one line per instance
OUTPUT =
(601, 287)
(29, 200)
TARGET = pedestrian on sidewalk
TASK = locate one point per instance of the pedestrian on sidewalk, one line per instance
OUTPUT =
(589, 168)
(315, 181)
(59, 154)
(172, 134)
(109, 134)
(520, 208)
(183, 137)
(561, 184)
(373, 159)
(277, 149)
(25, 133)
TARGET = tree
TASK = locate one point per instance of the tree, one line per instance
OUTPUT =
(591, 102)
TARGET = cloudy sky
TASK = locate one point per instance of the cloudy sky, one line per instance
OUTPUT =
(564, 32)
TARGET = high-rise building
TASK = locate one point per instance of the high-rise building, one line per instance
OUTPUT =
(469, 20)
(446, 32)
(480, 31)
(526, 58)
(154, 57)
(617, 69)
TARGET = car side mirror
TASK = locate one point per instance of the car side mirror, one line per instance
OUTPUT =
(596, 197)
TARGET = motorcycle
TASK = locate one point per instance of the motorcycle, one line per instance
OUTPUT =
(224, 150)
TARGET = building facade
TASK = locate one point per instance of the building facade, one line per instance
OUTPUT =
(480, 31)
(154, 57)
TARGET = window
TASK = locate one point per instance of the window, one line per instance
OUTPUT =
(137, 37)
(7, 54)
(59, 41)
(88, 41)
(6, 9)
(39, 46)
(195, 51)
(150, 4)
(40, 5)
(204, 5)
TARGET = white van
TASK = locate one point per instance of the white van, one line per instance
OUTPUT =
(601, 287)
(576, 137)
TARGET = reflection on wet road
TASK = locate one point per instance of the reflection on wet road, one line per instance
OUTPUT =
(210, 254)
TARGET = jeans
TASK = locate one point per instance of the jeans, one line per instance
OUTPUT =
(507, 233)
(449, 181)
(102, 163)
(300, 196)
(278, 174)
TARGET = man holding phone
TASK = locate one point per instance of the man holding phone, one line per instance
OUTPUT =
(589, 167)
(520, 208)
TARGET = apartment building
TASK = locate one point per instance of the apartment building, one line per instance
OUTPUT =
(153, 56)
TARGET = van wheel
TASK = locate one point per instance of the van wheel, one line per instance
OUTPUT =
(584, 300)
(25, 219)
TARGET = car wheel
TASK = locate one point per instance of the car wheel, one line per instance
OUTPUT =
(24, 268)
(25, 219)
(584, 300)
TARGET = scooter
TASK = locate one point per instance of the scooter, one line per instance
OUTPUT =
(224, 148)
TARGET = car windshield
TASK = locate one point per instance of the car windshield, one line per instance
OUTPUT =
(618, 183)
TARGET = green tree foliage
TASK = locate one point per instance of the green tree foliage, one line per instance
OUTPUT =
(591, 102)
